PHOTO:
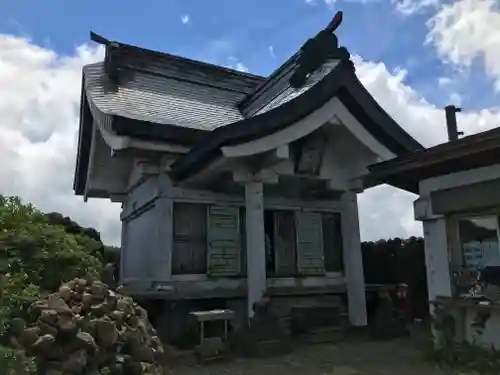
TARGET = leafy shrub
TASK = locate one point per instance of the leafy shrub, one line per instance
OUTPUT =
(14, 362)
(71, 227)
(45, 253)
(16, 297)
(36, 257)
(112, 254)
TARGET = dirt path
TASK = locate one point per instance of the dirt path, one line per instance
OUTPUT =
(348, 358)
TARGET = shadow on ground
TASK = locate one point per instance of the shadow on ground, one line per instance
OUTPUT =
(351, 357)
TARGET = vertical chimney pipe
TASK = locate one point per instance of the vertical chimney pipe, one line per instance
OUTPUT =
(451, 122)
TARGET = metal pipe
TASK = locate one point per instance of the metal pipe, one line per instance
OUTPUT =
(451, 122)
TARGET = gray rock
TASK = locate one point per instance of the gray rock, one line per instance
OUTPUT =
(87, 329)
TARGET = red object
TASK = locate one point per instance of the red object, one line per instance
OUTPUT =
(404, 302)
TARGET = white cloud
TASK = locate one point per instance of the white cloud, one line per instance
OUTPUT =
(242, 68)
(444, 81)
(385, 204)
(427, 124)
(328, 3)
(467, 30)
(185, 18)
(455, 98)
(235, 63)
(271, 52)
(410, 7)
(39, 110)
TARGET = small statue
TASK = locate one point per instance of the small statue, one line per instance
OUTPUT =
(317, 50)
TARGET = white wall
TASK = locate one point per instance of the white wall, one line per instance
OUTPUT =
(437, 246)
(440, 237)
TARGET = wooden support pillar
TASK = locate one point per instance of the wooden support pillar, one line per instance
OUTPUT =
(165, 230)
(353, 260)
(436, 258)
(438, 271)
(256, 244)
(162, 262)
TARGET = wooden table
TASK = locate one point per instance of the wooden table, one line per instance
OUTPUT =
(213, 347)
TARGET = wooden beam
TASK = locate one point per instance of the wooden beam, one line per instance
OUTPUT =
(268, 159)
(243, 174)
(207, 175)
(118, 197)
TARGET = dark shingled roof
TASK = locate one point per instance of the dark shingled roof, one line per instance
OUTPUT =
(152, 95)
(339, 80)
(288, 93)
(405, 172)
(157, 95)
(168, 90)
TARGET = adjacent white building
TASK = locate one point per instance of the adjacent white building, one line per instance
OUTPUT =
(458, 184)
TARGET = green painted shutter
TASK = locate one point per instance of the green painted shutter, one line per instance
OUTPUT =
(223, 237)
(332, 242)
(309, 243)
(190, 239)
(285, 243)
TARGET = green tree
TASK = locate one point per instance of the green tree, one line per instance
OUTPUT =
(36, 257)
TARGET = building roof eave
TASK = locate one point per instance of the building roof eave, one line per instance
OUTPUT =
(340, 82)
(470, 152)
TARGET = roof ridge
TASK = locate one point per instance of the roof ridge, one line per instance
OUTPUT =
(264, 85)
(101, 40)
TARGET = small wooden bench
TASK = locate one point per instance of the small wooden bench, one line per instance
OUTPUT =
(211, 348)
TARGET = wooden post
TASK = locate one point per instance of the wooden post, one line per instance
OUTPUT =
(353, 260)
(255, 236)
(436, 258)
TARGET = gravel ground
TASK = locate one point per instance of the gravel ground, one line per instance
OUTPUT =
(351, 357)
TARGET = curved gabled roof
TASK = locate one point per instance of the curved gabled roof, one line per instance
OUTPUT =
(340, 81)
(163, 100)
(151, 95)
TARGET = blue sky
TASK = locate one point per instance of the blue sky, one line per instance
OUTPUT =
(415, 57)
(225, 31)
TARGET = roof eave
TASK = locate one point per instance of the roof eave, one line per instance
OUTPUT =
(83, 148)
(471, 152)
(113, 46)
(299, 107)
(254, 127)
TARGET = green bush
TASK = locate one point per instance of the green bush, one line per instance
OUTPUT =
(44, 252)
(36, 257)
(16, 298)
(14, 362)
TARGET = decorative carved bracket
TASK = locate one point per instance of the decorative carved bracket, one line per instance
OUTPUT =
(316, 51)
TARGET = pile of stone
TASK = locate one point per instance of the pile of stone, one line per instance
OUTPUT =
(87, 329)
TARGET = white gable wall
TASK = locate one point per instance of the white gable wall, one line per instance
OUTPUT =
(333, 112)
(106, 173)
(350, 148)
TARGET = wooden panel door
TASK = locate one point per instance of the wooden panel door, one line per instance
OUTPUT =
(223, 237)
(190, 239)
(285, 243)
(310, 259)
(332, 242)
